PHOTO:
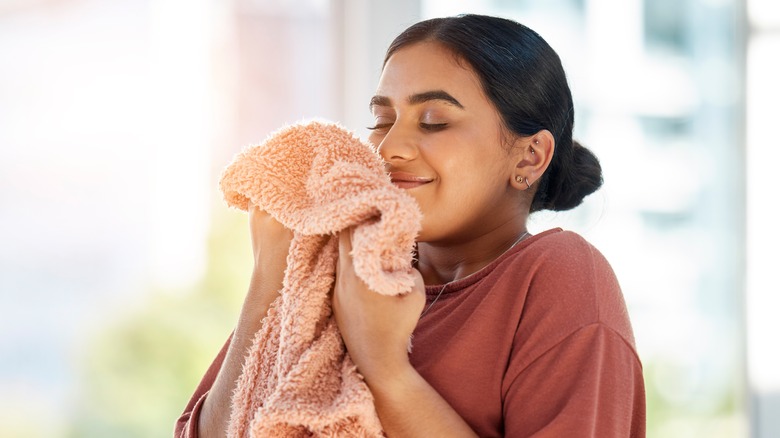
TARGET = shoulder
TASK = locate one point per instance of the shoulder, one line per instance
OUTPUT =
(569, 264)
(569, 249)
(591, 380)
(564, 259)
(569, 285)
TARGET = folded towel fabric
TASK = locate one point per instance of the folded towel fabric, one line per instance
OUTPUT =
(317, 179)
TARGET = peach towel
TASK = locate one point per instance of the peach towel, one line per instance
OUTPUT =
(317, 179)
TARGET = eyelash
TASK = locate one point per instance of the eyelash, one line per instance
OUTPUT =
(380, 126)
(431, 127)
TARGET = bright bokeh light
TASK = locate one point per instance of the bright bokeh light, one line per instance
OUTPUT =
(764, 14)
(763, 300)
(763, 236)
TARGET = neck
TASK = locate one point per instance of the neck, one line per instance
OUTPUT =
(440, 262)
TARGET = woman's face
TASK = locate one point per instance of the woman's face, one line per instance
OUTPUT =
(442, 141)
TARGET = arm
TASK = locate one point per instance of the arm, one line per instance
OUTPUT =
(266, 281)
(187, 424)
(215, 414)
(573, 369)
(589, 384)
(376, 330)
(409, 407)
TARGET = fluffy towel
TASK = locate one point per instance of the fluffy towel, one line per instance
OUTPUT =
(317, 179)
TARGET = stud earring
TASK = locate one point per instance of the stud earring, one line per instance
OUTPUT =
(519, 179)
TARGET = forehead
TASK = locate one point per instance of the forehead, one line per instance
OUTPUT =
(426, 66)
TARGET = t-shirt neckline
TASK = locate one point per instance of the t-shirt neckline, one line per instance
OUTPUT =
(434, 290)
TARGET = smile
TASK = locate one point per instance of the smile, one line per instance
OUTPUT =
(408, 181)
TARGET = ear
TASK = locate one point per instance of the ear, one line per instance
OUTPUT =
(533, 158)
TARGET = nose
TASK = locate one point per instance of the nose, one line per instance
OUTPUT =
(398, 145)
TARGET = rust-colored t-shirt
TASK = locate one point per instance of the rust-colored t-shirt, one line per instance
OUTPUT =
(537, 343)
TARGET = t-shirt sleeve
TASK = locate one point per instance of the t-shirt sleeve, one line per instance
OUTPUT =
(589, 384)
(187, 424)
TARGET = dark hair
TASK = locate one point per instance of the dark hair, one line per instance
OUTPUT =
(523, 77)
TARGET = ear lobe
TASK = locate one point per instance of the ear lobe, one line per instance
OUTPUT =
(519, 179)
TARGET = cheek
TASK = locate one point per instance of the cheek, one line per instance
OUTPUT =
(476, 163)
(477, 181)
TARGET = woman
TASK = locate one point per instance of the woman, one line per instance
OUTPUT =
(514, 335)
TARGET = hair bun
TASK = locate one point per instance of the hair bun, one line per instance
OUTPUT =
(585, 179)
(571, 184)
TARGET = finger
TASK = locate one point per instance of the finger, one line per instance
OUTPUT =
(340, 259)
(419, 289)
(345, 244)
(255, 214)
(419, 283)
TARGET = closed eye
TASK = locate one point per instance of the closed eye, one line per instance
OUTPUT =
(380, 127)
(433, 127)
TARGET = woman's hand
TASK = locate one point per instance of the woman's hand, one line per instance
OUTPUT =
(375, 328)
(270, 245)
(270, 240)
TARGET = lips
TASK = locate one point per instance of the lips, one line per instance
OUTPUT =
(406, 180)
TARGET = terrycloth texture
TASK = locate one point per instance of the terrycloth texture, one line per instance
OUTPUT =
(317, 179)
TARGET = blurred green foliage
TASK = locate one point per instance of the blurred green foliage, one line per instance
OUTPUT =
(138, 375)
(712, 409)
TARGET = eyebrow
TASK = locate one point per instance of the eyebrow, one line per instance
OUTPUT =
(418, 98)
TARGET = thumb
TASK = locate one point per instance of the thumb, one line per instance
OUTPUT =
(345, 243)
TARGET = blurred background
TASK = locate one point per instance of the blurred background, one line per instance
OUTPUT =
(122, 271)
